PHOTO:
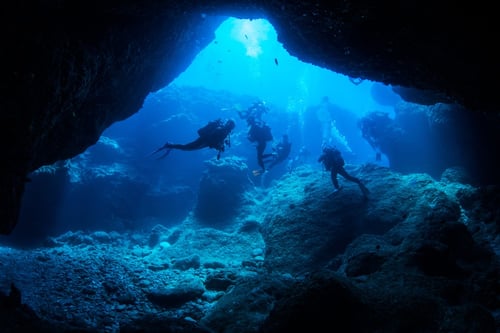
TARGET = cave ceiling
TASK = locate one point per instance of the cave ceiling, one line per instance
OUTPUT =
(72, 68)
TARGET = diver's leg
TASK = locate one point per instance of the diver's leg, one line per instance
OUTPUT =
(260, 155)
(272, 164)
(347, 176)
(335, 181)
(355, 180)
(260, 161)
(268, 159)
(194, 145)
(364, 189)
(267, 156)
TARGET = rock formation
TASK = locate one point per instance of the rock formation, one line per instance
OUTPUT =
(72, 68)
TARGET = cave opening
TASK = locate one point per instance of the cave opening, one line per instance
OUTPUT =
(246, 58)
(129, 251)
(245, 63)
(116, 181)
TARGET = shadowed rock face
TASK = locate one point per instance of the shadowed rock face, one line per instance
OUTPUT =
(72, 68)
(430, 139)
(419, 255)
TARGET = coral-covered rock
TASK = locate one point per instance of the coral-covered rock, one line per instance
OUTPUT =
(221, 190)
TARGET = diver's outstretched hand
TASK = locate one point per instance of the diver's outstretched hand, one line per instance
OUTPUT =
(165, 147)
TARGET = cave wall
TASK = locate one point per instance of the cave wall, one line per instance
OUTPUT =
(72, 68)
(75, 68)
(431, 139)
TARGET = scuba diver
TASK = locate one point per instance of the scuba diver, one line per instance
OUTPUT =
(255, 111)
(260, 133)
(214, 135)
(280, 152)
(333, 162)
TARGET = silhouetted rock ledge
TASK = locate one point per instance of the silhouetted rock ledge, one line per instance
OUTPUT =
(419, 255)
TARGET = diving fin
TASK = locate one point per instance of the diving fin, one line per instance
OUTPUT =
(167, 151)
(156, 151)
(335, 191)
(364, 189)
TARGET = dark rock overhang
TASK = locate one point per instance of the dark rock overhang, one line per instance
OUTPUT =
(72, 68)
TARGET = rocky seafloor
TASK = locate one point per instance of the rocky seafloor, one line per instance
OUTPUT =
(419, 255)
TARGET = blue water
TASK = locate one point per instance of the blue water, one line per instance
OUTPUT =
(246, 59)
(118, 184)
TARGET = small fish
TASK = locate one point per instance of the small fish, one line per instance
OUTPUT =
(246, 36)
(276, 61)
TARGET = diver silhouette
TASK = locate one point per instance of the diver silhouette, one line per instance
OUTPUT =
(214, 135)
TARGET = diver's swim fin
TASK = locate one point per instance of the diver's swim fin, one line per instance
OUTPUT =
(335, 191)
(160, 149)
(156, 151)
(365, 190)
(168, 150)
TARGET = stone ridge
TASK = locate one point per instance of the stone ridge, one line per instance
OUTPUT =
(407, 256)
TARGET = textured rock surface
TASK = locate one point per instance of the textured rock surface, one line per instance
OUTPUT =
(72, 68)
(221, 191)
(420, 256)
(431, 138)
